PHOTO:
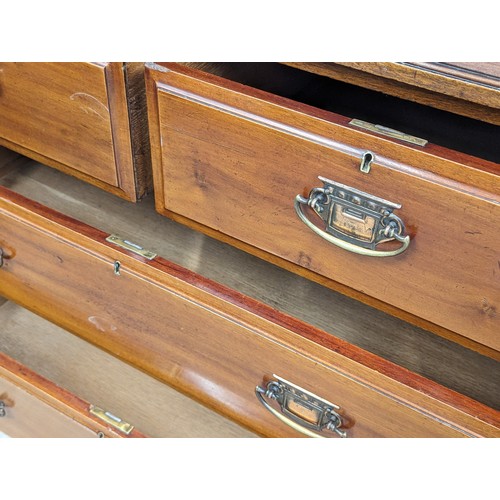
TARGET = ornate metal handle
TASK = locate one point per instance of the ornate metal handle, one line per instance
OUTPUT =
(303, 411)
(354, 220)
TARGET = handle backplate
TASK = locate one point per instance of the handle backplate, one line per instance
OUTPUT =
(354, 220)
(300, 409)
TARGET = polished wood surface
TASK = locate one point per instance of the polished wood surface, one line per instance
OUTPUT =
(207, 340)
(36, 407)
(469, 89)
(418, 350)
(233, 160)
(28, 416)
(151, 406)
(74, 117)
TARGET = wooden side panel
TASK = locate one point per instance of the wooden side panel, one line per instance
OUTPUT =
(72, 116)
(234, 163)
(213, 344)
(138, 124)
(481, 73)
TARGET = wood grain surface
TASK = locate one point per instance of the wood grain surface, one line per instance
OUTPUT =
(416, 349)
(74, 117)
(104, 381)
(468, 89)
(138, 123)
(36, 407)
(29, 417)
(209, 341)
(230, 161)
(481, 73)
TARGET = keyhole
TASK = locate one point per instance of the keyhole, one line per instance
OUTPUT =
(366, 161)
(116, 267)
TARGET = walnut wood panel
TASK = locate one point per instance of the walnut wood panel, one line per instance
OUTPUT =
(208, 341)
(75, 117)
(35, 407)
(442, 86)
(87, 371)
(234, 163)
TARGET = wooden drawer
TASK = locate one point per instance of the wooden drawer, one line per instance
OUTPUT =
(211, 342)
(81, 118)
(32, 406)
(43, 368)
(230, 160)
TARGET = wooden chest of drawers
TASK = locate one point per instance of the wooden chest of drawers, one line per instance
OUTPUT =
(277, 352)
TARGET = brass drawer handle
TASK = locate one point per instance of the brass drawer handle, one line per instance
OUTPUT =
(354, 220)
(300, 409)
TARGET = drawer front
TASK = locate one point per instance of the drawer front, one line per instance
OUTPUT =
(32, 406)
(42, 348)
(235, 162)
(73, 116)
(212, 343)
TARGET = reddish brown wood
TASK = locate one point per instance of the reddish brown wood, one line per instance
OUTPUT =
(233, 160)
(54, 396)
(206, 340)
